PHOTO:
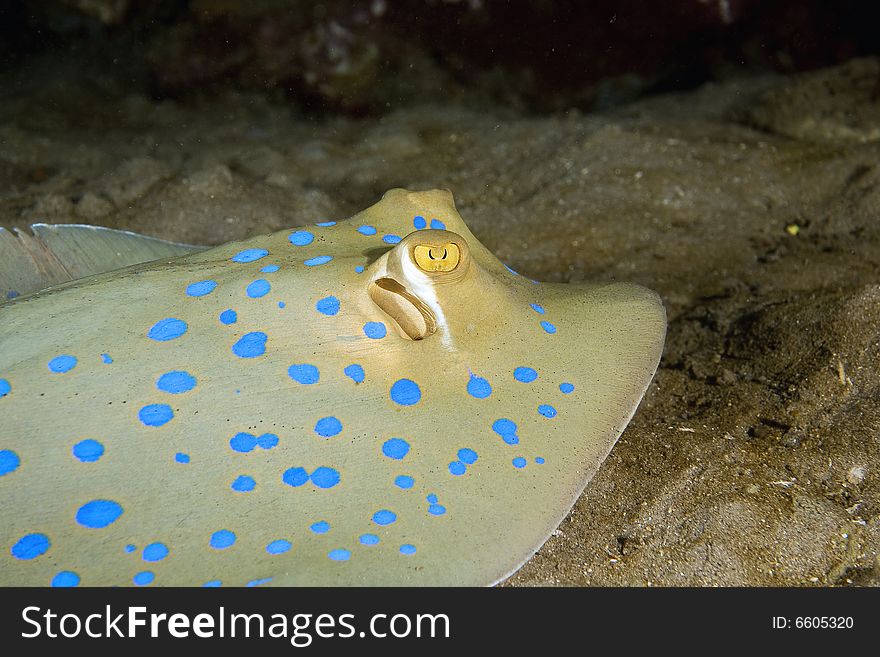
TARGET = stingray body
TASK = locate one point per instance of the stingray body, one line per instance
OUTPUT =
(377, 401)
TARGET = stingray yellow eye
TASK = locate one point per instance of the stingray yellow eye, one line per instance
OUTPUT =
(437, 258)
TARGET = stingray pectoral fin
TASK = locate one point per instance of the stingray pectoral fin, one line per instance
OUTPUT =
(409, 312)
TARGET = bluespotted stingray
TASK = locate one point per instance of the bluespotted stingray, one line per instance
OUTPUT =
(375, 401)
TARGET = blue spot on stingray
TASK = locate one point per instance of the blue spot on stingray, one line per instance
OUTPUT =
(467, 455)
(478, 387)
(359, 269)
(144, 578)
(228, 316)
(355, 373)
(367, 230)
(436, 224)
(244, 484)
(270, 269)
(167, 329)
(319, 260)
(303, 373)
(213, 584)
(375, 330)
(250, 345)
(65, 579)
(61, 364)
(419, 222)
(368, 539)
(538, 309)
(12, 294)
(326, 224)
(391, 239)
(267, 441)
(566, 388)
(201, 288)
(519, 462)
(504, 427)
(407, 549)
(436, 509)
(339, 554)
(320, 527)
(384, 517)
(220, 540)
(457, 468)
(98, 513)
(295, 477)
(105, 358)
(328, 426)
(324, 477)
(88, 450)
(130, 548)
(405, 392)
(279, 546)
(404, 481)
(249, 255)
(155, 552)
(547, 410)
(432, 498)
(259, 288)
(547, 326)
(281, 304)
(176, 382)
(180, 457)
(30, 546)
(395, 448)
(9, 461)
(258, 582)
(5, 387)
(301, 238)
(525, 374)
(243, 442)
(328, 306)
(155, 415)
(539, 460)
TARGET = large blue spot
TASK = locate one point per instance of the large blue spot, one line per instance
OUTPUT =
(391, 239)
(368, 539)
(270, 269)
(303, 373)
(63, 363)
(547, 326)
(88, 451)
(359, 269)
(328, 426)
(176, 382)
(320, 527)
(419, 222)
(467, 455)
(324, 477)
(259, 288)
(354, 372)
(375, 330)
(339, 554)
(395, 448)
(30, 546)
(407, 549)
(5, 388)
(457, 468)
(504, 427)
(295, 477)
(98, 513)
(547, 410)
(249, 255)
(525, 374)
(180, 457)
(228, 316)
(519, 462)
(9, 461)
(436, 509)
(155, 552)
(478, 387)
(279, 546)
(144, 578)
(318, 260)
(201, 288)
(65, 579)
(384, 517)
(105, 358)
(250, 345)
(405, 392)
(566, 388)
(220, 540)
(244, 484)
(155, 415)
(301, 238)
(267, 441)
(367, 230)
(538, 309)
(404, 481)
(167, 329)
(328, 306)
(243, 442)
(436, 224)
